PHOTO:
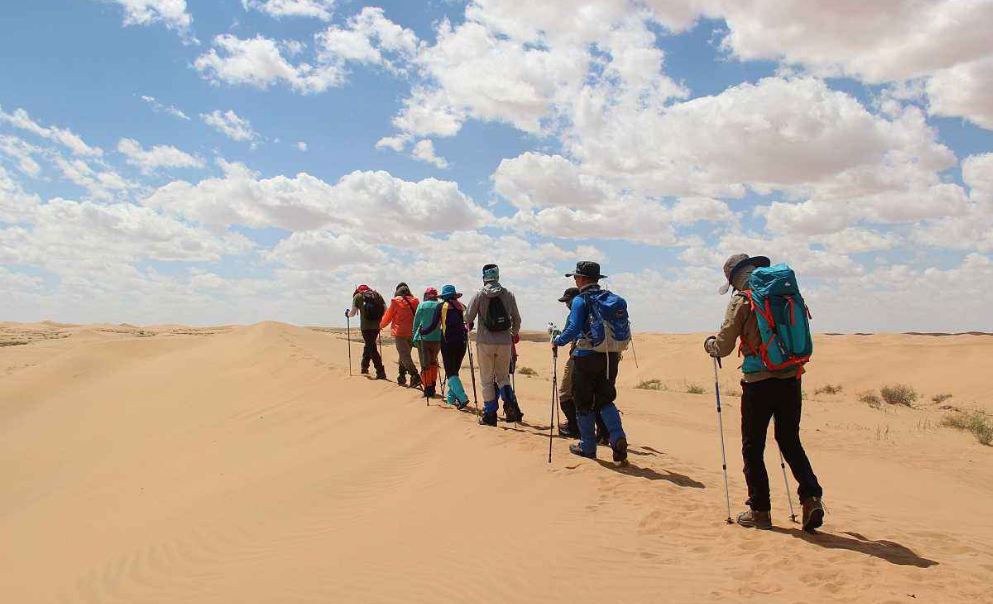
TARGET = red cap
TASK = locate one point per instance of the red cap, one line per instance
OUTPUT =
(430, 293)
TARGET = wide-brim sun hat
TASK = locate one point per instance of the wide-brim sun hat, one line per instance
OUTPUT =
(430, 293)
(448, 292)
(586, 268)
(736, 262)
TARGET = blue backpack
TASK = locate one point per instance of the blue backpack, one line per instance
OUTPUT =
(783, 320)
(610, 326)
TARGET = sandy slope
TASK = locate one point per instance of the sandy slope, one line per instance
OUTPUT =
(242, 464)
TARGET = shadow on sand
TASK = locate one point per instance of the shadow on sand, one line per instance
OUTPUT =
(649, 474)
(890, 551)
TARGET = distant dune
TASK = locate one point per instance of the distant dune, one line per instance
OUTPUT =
(241, 464)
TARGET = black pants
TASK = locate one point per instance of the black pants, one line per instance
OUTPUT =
(452, 354)
(370, 352)
(593, 380)
(760, 402)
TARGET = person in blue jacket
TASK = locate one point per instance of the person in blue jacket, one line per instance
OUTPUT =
(594, 373)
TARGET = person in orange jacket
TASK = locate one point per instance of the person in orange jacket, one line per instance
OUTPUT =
(400, 315)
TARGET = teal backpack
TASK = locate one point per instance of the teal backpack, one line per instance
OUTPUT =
(783, 320)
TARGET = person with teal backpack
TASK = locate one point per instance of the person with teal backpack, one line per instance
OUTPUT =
(449, 318)
(769, 317)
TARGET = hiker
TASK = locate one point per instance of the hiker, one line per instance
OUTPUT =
(428, 342)
(598, 324)
(499, 330)
(571, 429)
(449, 316)
(367, 303)
(400, 315)
(768, 389)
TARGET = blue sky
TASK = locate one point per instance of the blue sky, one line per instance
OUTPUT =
(245, 160)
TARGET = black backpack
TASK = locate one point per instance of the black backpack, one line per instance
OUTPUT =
(497, 318)
(373, 306)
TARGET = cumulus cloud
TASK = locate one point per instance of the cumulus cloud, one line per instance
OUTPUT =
(160, 107)
(159, 156)
(22, 152)
(63, 136)
(370, 38)
(231, 125)
(260, 62)
(964, 90)
(172, 13)
(424, 151)
(100, 183)
(318, 9)
(374, 203)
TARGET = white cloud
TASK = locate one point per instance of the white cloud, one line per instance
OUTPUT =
(397, 143)
(374, 203)
(964, 90)
(369, 37)
(22, 152)
(15, 205)
(323, 250)
(259, 62)
(873, 41)
(301, 146)
(172, 13)
(533, 180)
(424, 151)
(65, 137)
(230, 125)
(100, 183)
(159, 156)
(318, 9)
(689, 210)
(159, 107)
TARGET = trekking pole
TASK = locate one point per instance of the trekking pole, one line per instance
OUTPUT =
(555, 388)
(720, 427)
(634, 351)
(472, 373)
(789, 497)
(348, 331)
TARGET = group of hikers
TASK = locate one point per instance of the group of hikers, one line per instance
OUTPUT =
(766, 316)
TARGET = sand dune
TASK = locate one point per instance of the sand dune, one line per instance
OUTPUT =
(242, 464)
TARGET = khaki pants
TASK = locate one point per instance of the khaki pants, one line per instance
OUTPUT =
(565, 383)
(404, 346)
(494, 367)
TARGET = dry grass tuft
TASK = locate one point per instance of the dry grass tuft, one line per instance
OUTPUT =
(652, 384)
(872, 399)
(977, 422)
(899, 394)
(527, 371)
(829, 389)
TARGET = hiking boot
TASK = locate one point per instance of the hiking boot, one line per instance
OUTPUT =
(364, 371)
(578, 450)
(401, 380)
(603, 439)
(415, 381)
(461, 405)
(568, 431)
(488, 419)
(755, 519)
(429, 391)
(620, 449)
(380, 375)
(513, 415)
(813, 513)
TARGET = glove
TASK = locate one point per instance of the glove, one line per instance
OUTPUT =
(469, 326)
(556, 333)
(710, 346)
(346, 312)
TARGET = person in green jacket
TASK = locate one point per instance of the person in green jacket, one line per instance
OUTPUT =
(428, 344)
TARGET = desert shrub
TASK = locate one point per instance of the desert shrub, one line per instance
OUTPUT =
(977, 422)
(940, 398)
(872, 399)
(652, 384)
(694, 389)
(527, 371)
(898, 394)
(829, 389)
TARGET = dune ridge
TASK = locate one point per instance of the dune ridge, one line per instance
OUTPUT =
(242, 464)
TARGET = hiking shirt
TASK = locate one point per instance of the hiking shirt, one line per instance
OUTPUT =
(577, 326)
(422, 318)
(740, 322)
(478, 307)
(450, 316)
(357, 308)
(401, 314)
